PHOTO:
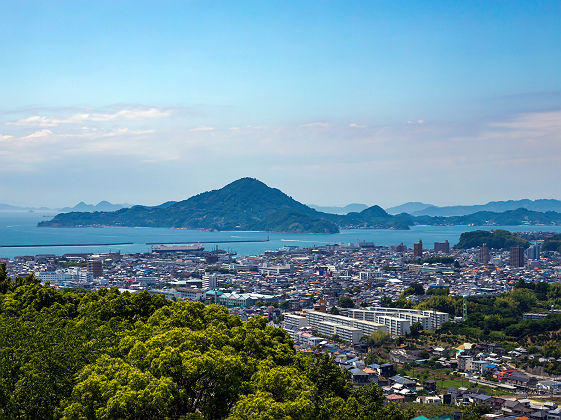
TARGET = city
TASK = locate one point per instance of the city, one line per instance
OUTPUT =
(334, 298)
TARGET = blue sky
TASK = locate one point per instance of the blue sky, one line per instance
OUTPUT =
(379, 102)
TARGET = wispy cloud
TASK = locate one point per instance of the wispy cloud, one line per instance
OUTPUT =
(202, 128)
(37, 134)
(320, 124)
(127, 114)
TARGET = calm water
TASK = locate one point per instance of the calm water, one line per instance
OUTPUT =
(20, 229)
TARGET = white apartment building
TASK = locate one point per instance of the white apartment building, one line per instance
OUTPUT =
(294, 322)
(396, 326)
(344, 332)
(61, 276)
(430, 320)
(314, 318)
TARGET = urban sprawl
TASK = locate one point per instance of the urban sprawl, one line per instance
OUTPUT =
(332, 298)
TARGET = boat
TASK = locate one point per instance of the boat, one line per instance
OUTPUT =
(178, 248)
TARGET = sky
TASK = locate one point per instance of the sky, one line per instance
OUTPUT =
(333, 102)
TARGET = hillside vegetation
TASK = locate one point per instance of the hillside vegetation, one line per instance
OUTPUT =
(497, 239)
(552, 244)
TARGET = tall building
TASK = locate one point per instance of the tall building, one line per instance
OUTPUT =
(533, 253)
(517, 256)
(418, 249)
(483, 257)
(442, 247)
(401, 248)
(95, 267)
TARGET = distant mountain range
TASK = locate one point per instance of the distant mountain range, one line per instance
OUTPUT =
(81, 206)
(101, 206)
(423, 209)
(249, 204)
(349, 208)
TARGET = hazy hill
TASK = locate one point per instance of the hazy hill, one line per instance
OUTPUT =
(519, 216)
(101, 206)
(541, 205)
(411, 207)
(353, 207)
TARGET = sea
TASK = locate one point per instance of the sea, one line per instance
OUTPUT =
(19, 236)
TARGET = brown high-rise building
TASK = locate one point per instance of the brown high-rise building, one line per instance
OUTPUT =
(484, 257)
(95, 267)
(442, 247)
(517, 256)
(418, 249)
(401, 248)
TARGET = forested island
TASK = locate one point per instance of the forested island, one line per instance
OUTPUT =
(497, 239)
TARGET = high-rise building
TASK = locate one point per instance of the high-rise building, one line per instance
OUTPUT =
(95, 267)
(533, 253)
(483, 257)
(517, 256)
(401, 248)
(442, 247)
(418, 249)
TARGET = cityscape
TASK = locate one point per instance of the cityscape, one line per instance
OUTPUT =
(280, 210)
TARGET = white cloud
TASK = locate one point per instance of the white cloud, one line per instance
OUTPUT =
(320, 124)
(355, 125)
(126, 114)
(5, 137)
(202, 128)
(37, 134)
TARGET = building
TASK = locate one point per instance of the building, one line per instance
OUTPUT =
(344, 332)
(533, 253)
(210, 282)
(66, 276)
(401, 248)
(294, 322)
(517, 256)
(324, 322)
(418, 249)
(483, 256)
(430, 320)
(275, 270)
(188, 293)
(443, 247)
(95, 267)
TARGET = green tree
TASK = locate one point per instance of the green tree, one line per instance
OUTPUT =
(345, 302)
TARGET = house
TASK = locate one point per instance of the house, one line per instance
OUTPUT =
(395, 398)
(428, 399)
(387, 370)
(372, 374)
(359, 376)
(430, 385)
(521, 379)
(550, 386)
(405, 382)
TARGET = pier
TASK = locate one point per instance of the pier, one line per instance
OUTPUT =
(64, 245)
